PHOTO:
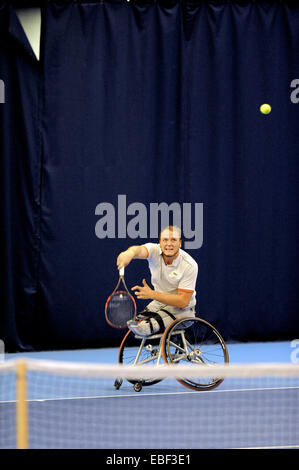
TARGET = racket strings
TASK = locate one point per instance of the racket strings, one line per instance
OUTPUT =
(120, 309)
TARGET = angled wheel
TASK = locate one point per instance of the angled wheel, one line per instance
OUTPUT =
(140, 351)
(195, 341)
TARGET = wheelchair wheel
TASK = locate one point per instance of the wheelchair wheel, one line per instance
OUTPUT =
(140, 351)
(195, 341)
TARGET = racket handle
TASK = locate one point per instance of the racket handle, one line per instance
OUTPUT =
(122, 271)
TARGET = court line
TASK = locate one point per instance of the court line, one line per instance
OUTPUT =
(140, 395)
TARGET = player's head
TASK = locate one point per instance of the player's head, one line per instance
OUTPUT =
(170, 241)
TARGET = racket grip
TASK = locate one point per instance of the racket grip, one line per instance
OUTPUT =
(122, 271)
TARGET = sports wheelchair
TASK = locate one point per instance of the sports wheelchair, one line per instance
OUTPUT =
(189, 340)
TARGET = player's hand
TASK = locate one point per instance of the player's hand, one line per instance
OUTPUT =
(144, 291)
(124, 259)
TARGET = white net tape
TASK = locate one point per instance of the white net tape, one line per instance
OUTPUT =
(73, 405)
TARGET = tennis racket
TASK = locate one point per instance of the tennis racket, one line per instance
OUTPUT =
(120, 306)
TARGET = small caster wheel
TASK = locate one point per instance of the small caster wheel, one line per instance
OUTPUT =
(117, 384)
(138, 387)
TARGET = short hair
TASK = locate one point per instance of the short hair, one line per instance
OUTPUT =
(172, 228)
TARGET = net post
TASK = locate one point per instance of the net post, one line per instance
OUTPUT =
(21, 406)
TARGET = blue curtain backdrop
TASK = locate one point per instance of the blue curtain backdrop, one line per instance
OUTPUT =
(153, 101)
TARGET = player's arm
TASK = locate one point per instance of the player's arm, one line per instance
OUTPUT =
(133, 252)
(181, 299)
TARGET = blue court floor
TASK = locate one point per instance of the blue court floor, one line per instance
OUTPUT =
(238, 353)
(64, 413)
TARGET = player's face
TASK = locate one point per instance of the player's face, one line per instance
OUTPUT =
(170, 243)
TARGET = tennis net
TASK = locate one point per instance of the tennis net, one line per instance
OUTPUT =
(58, 405)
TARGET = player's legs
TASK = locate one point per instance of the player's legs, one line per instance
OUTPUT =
(148, 323)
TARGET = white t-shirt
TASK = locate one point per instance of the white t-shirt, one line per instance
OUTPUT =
(181, 275)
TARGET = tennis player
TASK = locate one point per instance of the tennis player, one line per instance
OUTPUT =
(173, 276)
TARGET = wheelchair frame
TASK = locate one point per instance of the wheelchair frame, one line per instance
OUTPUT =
(176, 344)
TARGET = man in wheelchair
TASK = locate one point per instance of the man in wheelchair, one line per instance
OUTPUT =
(173, 276)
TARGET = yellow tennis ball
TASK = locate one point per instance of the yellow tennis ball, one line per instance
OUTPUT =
(265, 109)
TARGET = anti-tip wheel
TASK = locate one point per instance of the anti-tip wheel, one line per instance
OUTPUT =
(137, 387)
(117, 384)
